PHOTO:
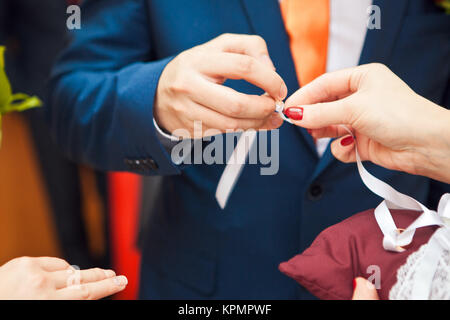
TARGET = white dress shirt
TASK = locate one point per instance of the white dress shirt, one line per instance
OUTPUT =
(348, 27)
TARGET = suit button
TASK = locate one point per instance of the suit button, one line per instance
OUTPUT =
(150, 164)
(130, 164)
(315, 192)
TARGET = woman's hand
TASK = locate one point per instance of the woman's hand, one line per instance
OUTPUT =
(394, 127)
(52, 278)
(364, 290)
(190, 88)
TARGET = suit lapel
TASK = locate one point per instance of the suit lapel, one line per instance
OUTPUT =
(265, 20)
(378, 47)
(380, 43)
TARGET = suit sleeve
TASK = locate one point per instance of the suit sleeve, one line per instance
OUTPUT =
(102, 91)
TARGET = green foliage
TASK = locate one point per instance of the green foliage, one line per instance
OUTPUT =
(445, 4)
(9, 101)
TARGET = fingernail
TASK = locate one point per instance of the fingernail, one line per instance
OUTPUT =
(283, 92)
(294, 113)
(347, 141)
(110, 273)
(266, 59)
(121, 281)
(354, 284)
(276, 120)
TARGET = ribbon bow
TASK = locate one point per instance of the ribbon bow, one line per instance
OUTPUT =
(395, 239)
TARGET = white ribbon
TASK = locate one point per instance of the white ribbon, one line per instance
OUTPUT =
(395, 239)
(237, 160)
(234, 167)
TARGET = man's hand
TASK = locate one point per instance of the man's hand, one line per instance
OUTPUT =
(52, 278)
(190, 88)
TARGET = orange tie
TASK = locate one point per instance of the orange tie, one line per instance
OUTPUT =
(307, 22)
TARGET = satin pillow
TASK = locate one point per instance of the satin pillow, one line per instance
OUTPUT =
(352, 248)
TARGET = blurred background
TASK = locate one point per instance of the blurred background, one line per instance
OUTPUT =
(50, 206)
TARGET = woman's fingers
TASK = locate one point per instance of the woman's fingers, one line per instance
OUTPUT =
(343, 149)
(328, 87)
(323, 114)
(364, 290)
(70, 277)
(333, 131)
(51, 264)
(93, 290)
(328, 100)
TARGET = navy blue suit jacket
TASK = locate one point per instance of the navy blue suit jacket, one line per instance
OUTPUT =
(103, 90)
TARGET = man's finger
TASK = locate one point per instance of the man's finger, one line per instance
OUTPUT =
(93, 290)
(211, 119)
(232, 103)
(239, 66)
(251, 45)
(274, 121)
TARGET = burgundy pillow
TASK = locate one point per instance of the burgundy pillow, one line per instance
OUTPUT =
(345, 250)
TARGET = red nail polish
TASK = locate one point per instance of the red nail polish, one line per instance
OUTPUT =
(347, 141)
(354, 284)
(294, 113)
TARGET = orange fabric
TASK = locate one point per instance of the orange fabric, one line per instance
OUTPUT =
(307, 23)
(26, 226)
(124, 198)
(93, 211)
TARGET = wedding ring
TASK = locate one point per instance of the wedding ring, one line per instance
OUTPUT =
(279, 108)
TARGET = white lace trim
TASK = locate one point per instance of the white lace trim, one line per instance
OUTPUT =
(440, 287)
